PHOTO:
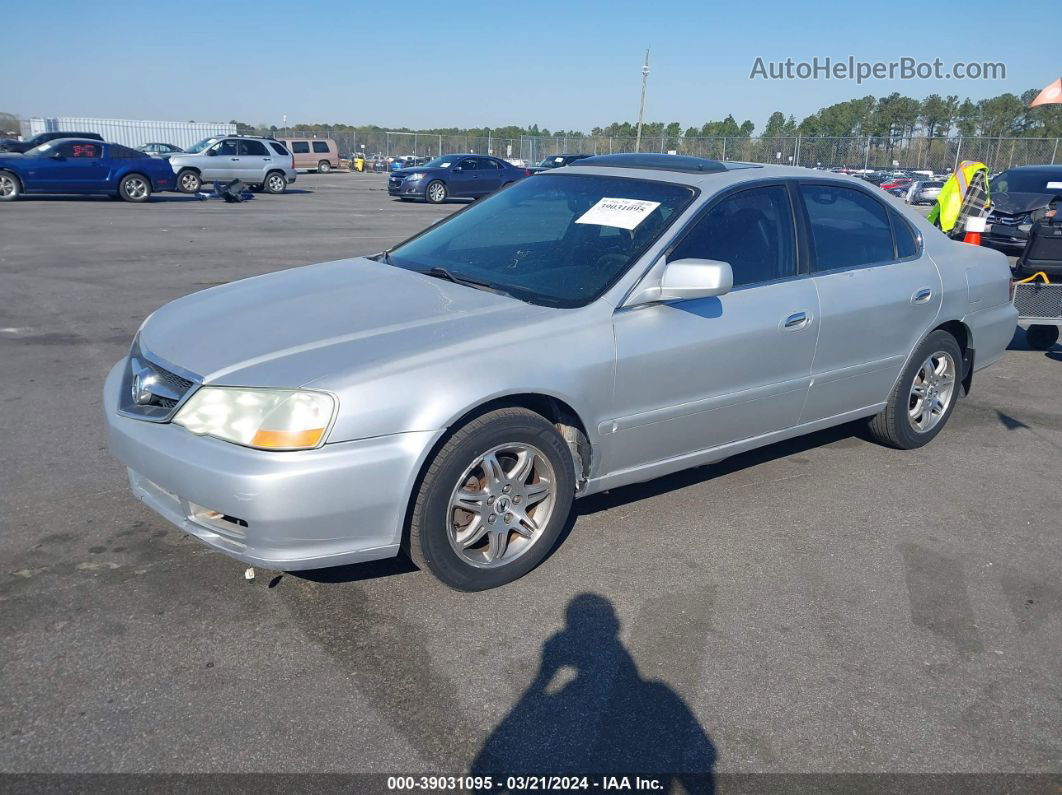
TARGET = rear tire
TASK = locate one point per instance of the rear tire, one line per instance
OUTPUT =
(324, 167)
(924, 396)
(134, 188)
(189, 181)
(515, 471)
(1041, 337)
(10, 187)
(275, 182)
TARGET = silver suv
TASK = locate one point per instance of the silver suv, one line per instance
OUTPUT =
(260, 162)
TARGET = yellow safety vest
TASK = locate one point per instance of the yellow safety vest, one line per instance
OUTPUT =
(946, 211)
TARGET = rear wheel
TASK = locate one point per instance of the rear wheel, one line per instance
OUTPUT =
(134, 188)
(493, 501)
(1041, 337)
(924, 396)
(10, 187)
(189, 181)
(324, 167)
(275, 182)
(435, 192)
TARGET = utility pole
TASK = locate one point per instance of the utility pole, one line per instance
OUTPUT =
(641, 106)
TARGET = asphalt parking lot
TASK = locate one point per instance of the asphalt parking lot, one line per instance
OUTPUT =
(821, 605)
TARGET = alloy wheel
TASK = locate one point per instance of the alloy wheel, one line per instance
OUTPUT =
(501, 505)
(932, 391)
(437, 192)
(276, 183)
(135, 188)
(8, 187)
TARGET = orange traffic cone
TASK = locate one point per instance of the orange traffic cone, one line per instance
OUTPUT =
(974, 228)
(972, 237)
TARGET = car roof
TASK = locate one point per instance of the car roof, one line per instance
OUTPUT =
(730, 173)
(1044, 167)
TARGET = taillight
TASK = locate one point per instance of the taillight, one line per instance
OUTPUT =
(527, 172)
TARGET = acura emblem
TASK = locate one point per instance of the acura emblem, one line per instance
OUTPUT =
(143, 380)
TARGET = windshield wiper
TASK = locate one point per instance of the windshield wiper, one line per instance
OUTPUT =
(441, 273)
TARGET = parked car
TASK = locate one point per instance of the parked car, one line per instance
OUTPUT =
(453, 176)
(555, 161)
(628, 317)
(262, 163)
(318, 154)
(159, 150)
(923, 191)
(81, 165)
(11, 145)
(895, 182)
(1020, 197)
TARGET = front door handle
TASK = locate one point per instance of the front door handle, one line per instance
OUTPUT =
(235, 159)
(797, 320)
(922, 296)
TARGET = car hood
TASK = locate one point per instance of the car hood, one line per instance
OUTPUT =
(1014, 203)
(302, 325)
(405, 172)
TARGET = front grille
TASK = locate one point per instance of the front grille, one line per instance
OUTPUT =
(1006, 219)
(149, 390)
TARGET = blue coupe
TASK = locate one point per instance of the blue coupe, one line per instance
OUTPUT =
(458, 176)
(80, 165)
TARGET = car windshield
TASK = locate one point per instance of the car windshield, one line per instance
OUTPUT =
(1027, 182)
(199, 147)
(551, 162)
(557, 240)
(445, 161)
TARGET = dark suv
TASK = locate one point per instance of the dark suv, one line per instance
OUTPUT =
(11, 145)
(555, 161)
(1020, 197)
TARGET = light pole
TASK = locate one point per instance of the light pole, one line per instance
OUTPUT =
(641, 106)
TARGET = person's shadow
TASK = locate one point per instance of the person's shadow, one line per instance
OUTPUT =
(589, 712)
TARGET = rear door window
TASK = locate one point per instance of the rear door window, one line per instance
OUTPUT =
(849, 229)
(253, 149)
(300, 147)
(321, 147)
(279, 149)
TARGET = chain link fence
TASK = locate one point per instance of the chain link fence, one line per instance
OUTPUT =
(939, 155)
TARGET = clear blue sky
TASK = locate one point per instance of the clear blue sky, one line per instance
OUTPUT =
(570, 65)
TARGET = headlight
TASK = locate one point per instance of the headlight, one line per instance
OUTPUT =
(269, 419)
(415, 177)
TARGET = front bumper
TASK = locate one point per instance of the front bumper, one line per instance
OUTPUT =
(342, 503)
(406, 189)
(1004, 236)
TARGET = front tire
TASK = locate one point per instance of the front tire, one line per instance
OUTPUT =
(1041, 337)
(435, 192)
(275, 182)
(10, 187)
(924, 396)
(493, 500)
(189, 181)
(134, 188)
(324, 167)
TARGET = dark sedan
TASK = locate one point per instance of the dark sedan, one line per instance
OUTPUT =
(556, 161)
(78, 165)
(453, 176)
(1020, 197)
(11, 145)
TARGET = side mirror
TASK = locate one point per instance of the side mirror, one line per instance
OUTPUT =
(212, 152)
(686, 279)
(57, 155)
(457, 169)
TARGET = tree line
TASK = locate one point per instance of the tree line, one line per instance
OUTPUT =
(894, 117)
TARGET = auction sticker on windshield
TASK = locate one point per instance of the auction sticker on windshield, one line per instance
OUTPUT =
(622, 213)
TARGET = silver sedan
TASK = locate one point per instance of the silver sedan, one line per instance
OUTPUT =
(595, 326)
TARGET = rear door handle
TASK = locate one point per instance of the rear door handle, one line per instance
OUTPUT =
(797, 320)
(922, 296)
(235, 159)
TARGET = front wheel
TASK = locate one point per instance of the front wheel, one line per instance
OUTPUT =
(134, 188)
(435, 192)
(493, 500)
(275, 182)
(1041, 337)
(10, 188)
(189, 181)
(924, 396)
(324, 167)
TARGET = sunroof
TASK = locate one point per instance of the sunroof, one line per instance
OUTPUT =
(683, 163)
